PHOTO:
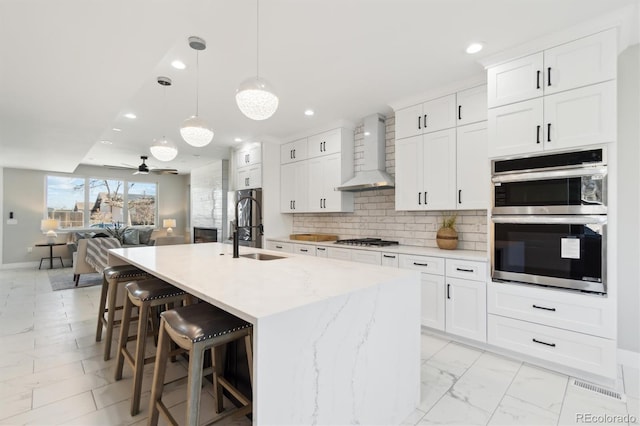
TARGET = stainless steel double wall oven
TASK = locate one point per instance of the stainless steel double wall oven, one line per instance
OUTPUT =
(549, 220)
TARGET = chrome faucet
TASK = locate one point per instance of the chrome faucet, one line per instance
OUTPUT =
(260, 227)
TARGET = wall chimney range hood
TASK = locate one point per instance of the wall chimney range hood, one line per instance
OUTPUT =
(372, 175)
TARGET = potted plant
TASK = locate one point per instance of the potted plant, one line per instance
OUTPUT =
(117, 231)
(447, 236)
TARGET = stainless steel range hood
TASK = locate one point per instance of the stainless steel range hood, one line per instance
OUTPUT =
(372, 175)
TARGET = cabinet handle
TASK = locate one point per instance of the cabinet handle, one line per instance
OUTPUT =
(324, 203)
(320, 146)
(448, 291)
(425, 198)
(544, 308)
(459, 196)
(419, 118)
(294, 204)
(304, 250)
(538, 134)
(549, 76)
(294, 153)
(320, 202)
(538, 79)
(420, 264)
(320, 248)
(548, 132)
(278, 247)
(291, 154)
(388, 256)
(425, 121)
(290, 204)
(324, 146)
(553, 345)
(419, 198)
(464, 270)
(459, 112)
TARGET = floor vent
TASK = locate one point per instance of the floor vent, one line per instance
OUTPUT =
(600, 390)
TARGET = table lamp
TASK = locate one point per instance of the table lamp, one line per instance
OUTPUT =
(169, 223)
(49, 226)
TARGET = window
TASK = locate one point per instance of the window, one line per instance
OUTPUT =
(79, 202)
(141, 203)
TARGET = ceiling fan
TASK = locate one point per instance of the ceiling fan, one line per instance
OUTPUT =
(143, 169)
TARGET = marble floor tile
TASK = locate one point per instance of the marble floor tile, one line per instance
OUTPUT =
(47, 377)
(580, 402)
(631, 377)
(453, 411)
(58, 413)
(454, 358)
(513, 411)
(434, 383)
(63, 389)
(430, 345)
(15, 403)
(413, 418)
(539, 387)
(633, 407)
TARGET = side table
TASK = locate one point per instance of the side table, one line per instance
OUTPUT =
(50, 245)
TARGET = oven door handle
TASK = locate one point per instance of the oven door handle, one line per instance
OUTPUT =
(550, 174)
(552, 219)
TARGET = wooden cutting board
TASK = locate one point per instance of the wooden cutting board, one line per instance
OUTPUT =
(313, 237)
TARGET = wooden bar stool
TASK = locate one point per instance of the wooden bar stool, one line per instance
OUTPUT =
(112, 276)
(197, 328)
(145, 295)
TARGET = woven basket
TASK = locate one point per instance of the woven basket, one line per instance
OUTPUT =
(447, 238)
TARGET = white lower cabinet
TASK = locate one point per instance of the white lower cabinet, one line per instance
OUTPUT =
(466, 308)
(365, 256)
(305, 249)
(432, 301)
(390, 259)
(321, 252)
(338, 253)
(593, 354)
(279, 246)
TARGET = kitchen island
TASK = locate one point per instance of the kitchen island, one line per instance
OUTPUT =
(334, 342)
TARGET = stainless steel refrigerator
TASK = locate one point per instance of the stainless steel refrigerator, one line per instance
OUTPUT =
(248, 216)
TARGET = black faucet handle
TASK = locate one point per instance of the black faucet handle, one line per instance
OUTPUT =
(261, 229)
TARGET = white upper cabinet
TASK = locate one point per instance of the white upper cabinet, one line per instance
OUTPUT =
(581, 62)
(293, 151)
(249, 155)
(431, 116)
(516, 128)
(294, 187)
(472, 167)
(515, 81)
(324, 175)
(249, 177)
(248, 166)
(325, 143)
(472, 105)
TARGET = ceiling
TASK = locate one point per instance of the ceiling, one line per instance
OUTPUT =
(71, 69)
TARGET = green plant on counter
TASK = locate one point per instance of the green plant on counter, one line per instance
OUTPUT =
(449, 220)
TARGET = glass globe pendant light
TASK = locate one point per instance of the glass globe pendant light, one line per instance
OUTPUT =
(194, 130)
(163, 149)
(255, 96)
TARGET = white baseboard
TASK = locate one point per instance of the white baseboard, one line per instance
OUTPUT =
(629, 358)
(19, 265)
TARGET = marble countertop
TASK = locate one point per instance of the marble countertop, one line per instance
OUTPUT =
(423, 251)
(254, 289)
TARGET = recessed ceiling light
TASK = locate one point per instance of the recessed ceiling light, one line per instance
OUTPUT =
(237, 140)
(309, 112)
(179, 65)
(130, 115)
(115, 129)
(474, 48)
(105, 142)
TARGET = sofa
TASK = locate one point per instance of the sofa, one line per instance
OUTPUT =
(89, 249)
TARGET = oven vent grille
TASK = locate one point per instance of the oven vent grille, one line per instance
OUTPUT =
(600, 390)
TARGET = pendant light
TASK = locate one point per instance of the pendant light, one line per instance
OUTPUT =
(194, 130)
(255, 96)
(163, 149)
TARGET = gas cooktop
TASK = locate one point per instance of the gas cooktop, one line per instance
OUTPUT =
(369, 242)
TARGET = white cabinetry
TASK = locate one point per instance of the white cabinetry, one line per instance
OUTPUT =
(431, 116)
(322, 252)
(432, 286)
(280, 246)
(294, 187)
(466, 305)
(310, 170)
(472, 105)
(564, 97)
(305, 249)
(338, 253)
(426, 172)
(365, 256)
(248, 166)
(390, 259)
(472, 166)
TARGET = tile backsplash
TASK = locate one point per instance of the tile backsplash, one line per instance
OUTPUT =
(374, 213)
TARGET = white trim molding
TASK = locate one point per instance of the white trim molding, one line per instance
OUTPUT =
(629, 358)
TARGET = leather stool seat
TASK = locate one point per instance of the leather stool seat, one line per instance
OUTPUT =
(145, 295)
(197, 328)
(112, 276)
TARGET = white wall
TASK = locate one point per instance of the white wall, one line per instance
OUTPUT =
(628, 199)
(3, 219)
(24, 193)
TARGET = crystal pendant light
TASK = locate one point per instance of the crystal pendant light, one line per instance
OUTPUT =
(163, 149)
(255, 96)
(194, 130)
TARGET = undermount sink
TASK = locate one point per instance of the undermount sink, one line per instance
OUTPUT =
(261, 256)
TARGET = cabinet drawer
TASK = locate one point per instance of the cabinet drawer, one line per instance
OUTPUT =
(466, 269)
(427, 264)
(304, 249)
(584, 313)
(595, 355)
(324, 143)
(338, 253)
(364, 256)
(321, 251)
(278, 246)
(390, 259)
